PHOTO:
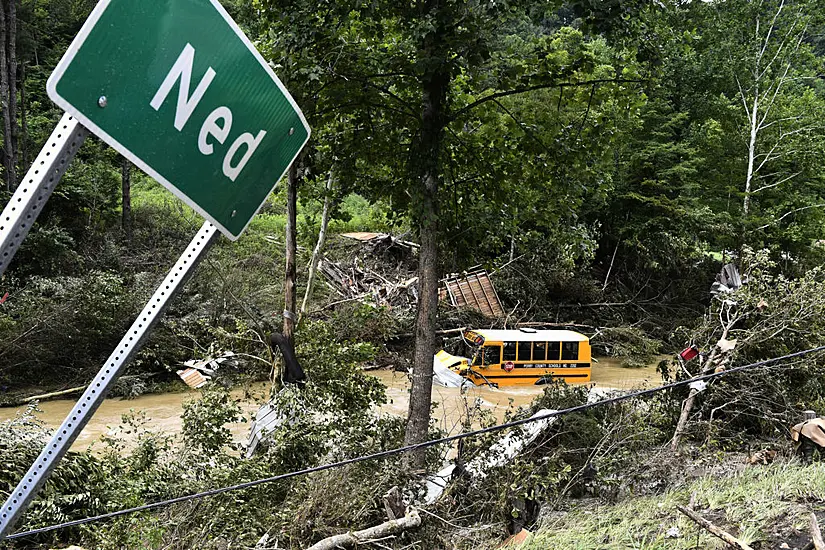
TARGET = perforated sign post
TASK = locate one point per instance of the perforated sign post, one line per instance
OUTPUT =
(176, 87)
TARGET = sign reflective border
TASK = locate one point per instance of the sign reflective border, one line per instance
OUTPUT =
(177, 88)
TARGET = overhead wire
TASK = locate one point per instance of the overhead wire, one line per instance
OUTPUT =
(408, 448)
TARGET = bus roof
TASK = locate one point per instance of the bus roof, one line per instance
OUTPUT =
(530, 335)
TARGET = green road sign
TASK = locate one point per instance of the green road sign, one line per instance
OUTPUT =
(176, 87)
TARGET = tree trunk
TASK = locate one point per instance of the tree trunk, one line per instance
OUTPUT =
(11, 52)
(687, 406)
(126, 190)
(379, 532)
(23, 145)
(4, 97)
(290, 291)
(754, 129)
(319, 246)
(433, 121)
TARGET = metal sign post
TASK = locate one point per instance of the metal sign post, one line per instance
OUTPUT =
(178, 89)
(94, 395)
(36, 188)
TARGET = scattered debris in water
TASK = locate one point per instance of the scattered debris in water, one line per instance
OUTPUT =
(200, 372)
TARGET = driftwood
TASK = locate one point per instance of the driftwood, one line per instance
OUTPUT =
(816, 534)
(714, 530)
(46, 396)
(386, 529)
(357, 282)
(542, 324)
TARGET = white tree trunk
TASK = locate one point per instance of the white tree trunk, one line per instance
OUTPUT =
(386, 529)
(319, 246)
(754, 127)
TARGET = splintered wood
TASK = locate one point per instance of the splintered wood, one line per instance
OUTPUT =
(357, 283)
(390, 280)
(475, 291)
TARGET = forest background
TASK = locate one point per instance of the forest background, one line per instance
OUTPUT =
(613, 155)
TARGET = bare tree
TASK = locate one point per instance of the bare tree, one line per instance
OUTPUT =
(319, 246)
(767, 316)
(771, 58)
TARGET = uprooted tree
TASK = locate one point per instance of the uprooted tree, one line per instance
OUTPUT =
(768, 316)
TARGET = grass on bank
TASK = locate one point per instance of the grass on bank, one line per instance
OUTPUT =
(764, 506)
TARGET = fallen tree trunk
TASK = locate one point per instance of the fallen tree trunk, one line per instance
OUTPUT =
(687, 406)
(386, 529)
(51, 395)
(714, 530)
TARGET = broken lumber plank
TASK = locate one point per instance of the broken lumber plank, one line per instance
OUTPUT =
(816, 534)
(386, 529)
(52, 395)
(714, 530)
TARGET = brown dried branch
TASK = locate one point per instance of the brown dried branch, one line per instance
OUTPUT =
(714, 530)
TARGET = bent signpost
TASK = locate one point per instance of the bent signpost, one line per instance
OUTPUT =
(176, 87)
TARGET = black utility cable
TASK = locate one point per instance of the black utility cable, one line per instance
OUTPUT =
(391, 452)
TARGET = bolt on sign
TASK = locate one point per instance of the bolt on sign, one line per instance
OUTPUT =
(176, 87)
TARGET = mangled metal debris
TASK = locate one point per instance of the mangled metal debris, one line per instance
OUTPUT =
(727, 280)
(200, 372)
(267, 419)
(445, 377)
(473, 290)
(499, 454)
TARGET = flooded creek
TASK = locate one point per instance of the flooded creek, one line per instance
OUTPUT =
(164, 410)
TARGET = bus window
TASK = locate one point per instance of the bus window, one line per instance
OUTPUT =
(540, 351)
(570, 351)
(477, 358)
(553, 351)
(509, 351)
(492, 356)
(524, 351)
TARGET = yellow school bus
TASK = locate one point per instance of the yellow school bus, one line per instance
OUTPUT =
(522, 357)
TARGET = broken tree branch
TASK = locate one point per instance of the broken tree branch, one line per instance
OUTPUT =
(392, 527)
(51, 395)
(714, 530)
(794, 211)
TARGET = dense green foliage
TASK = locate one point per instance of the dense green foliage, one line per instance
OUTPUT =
(609, 160)
(604, 159)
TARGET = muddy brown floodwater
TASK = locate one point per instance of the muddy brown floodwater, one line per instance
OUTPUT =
(163, 411)
(453, 405)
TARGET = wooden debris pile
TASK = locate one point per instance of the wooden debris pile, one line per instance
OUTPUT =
(381, 271)
(356, 282)
(381, 241)
(384, 272)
